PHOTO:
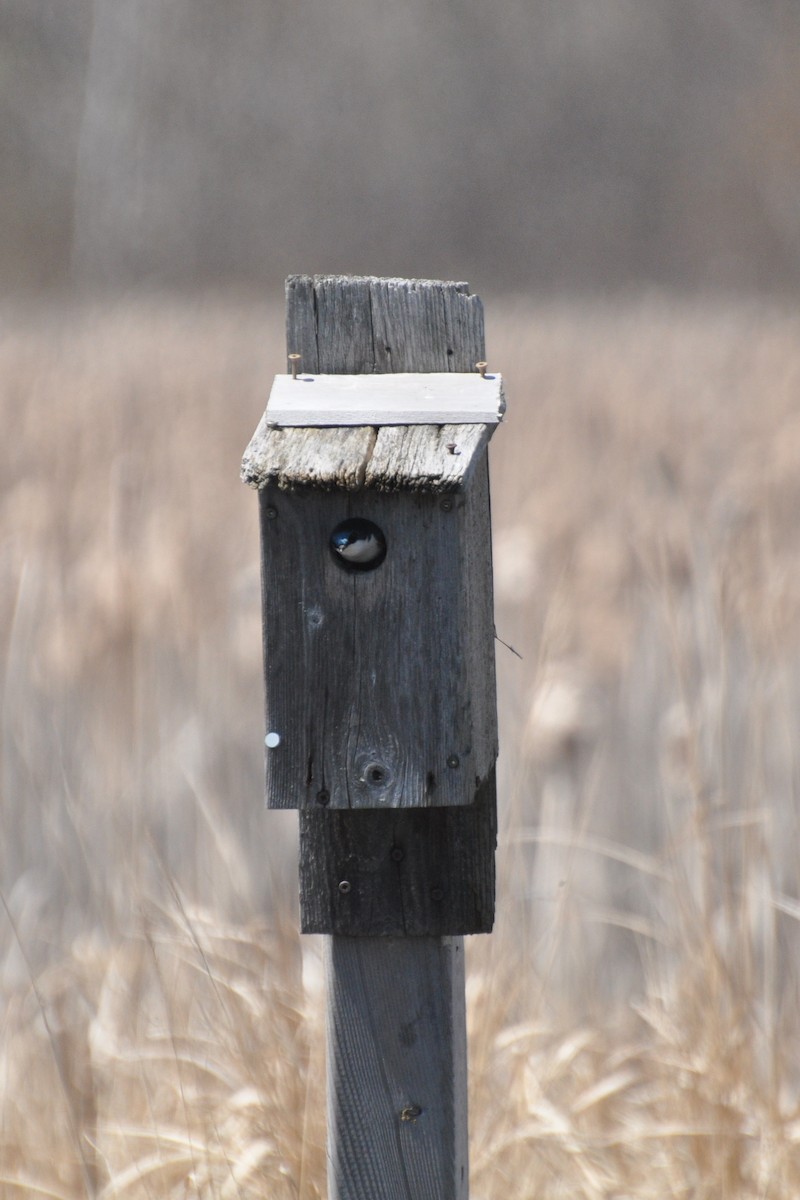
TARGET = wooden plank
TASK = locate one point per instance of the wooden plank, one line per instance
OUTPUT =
(397, 1069)
(301, 322)
(344, 326)
(432, 458)
(393, 672)
(439, 458)
(410, 399)
(424, 325)
(351, 325)
(288, 458)
(409, 872)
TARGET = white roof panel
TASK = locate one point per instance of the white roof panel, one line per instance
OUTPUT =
(317, 401)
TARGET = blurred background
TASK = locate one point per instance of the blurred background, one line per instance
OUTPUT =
(523, 145)
(619, 182)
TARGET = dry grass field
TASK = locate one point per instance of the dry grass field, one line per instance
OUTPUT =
(635, 1018)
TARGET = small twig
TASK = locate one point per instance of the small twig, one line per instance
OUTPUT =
(511, 648)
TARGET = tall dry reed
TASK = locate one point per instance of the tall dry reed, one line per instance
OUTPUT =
(634, 1018)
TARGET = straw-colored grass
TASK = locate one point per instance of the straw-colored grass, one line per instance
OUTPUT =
(634, 1020)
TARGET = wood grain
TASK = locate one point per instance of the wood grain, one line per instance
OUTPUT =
(289, 458)
(437, 458)
(351, 324)
(397, 1069)
(420, 458)
(412, 872)
(396, 703)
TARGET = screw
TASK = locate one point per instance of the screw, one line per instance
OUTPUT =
(345, 886)
(481, 368)
(294, 362)
(452, 760)
(323, 797)
(453, 448)
(410, 1112)
(271, 513)
(446, 505)
(398, 854)
(437, 893)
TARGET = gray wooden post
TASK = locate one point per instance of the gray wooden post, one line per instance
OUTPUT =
(381, 719)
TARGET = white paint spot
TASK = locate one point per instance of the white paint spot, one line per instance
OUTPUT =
(272, 740)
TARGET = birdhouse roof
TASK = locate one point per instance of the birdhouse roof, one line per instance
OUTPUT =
(401, 432)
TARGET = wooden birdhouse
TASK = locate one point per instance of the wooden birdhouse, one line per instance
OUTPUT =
(377, 587)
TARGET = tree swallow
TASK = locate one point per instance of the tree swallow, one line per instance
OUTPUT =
(359, 544)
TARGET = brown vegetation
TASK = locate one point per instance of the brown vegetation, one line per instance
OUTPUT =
(634, 1018)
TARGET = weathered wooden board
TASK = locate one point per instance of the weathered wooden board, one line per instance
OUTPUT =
(438, 458)
(408, 872)
(397, 1069)
(353, 325)
(432, 458)
(412, 398)
(288, 458)
(395, 706)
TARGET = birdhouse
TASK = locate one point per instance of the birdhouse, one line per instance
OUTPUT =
(377, 588)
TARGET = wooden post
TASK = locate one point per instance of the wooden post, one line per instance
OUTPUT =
(397, 1069)
(381, 719)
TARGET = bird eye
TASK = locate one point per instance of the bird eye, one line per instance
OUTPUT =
(358, 545)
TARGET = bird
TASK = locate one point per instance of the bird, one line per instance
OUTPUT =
(359, 543)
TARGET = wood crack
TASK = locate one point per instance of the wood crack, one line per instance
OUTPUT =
(369, 450)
